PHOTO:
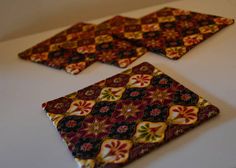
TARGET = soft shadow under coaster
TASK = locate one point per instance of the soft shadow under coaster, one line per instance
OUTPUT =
(169, 31)
(120, 119)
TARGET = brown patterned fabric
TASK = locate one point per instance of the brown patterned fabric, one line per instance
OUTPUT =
(51, 53)
(81, 45)
(120, 119)
(108, 49)
(169, 31)
(121, 40)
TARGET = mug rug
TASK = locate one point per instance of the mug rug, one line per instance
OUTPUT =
(53, 52)
(81, 45)
(120, 119)
(171, 32)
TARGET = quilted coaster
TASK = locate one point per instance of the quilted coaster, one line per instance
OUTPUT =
(169, 31)
(120, 119)
(53, 52)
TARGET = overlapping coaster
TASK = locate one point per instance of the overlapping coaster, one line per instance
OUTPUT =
(169, 31)
(121, 40)
(120, 119)
(108, 49)
(53, 52)
(81, 45)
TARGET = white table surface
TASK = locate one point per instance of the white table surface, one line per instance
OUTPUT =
(29, 140)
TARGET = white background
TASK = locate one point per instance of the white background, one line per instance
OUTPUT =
(24, 17)
(29, 140)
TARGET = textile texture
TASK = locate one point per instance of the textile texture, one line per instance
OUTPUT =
(121, 40)
(120, 119)
(78, 47)
(55, 52)
(171, 32)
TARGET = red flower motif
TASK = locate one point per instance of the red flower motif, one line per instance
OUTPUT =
(223, 21)
(103, 39)
(115, 151)
(75, 68)
(192, 39)
(140, 80)
(176, 52)
(150, 27)
(81, 107)
(39, 57)
(86, 49)
(183, 115)
(209, 29)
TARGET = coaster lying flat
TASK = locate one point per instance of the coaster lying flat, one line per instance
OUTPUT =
(50, 52)
(169, 31)
(81, 45)
(120, 119)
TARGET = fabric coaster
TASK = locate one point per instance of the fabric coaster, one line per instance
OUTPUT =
(120, 119)
(169, 31)
(81, 45)
(53, 52)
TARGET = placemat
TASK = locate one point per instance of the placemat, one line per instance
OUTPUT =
(115, 121)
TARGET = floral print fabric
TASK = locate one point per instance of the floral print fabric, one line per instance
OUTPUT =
(117, 120)
(81, 45)
(169, 31)
(57, 51)
(121, 40)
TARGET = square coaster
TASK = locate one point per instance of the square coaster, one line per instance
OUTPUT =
(55, 52)
(169, 31)
(120, 119)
